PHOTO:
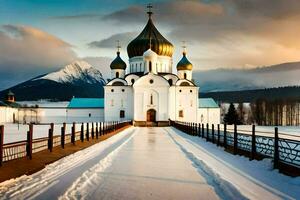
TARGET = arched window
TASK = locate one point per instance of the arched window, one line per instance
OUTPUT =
(184, 75)
(117, 74)
(151, 99)
(122, 113)
(132, 81)
(170, 81)
(180, 113)
(150, 66)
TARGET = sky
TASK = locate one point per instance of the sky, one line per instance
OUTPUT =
(40, 36)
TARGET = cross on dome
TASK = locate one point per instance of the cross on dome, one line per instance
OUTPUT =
(149, 7)
(184, 47)
(118, 46)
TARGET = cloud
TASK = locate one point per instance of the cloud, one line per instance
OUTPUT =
(110, 42)
(26, 52)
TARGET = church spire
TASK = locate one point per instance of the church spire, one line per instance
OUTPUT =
(149, 7)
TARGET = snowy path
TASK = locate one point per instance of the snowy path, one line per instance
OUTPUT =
(140, 163)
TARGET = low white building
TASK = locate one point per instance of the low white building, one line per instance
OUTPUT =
(9, 109)
(85, 110)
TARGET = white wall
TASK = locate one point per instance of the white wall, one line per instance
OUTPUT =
(82, 115)
(209, 115)
(7, 113)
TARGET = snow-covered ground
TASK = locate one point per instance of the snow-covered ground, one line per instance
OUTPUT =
(154, 163)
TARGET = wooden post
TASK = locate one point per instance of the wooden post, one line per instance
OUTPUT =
(1, 143)
(87, 132)
(235, 140)
(199, 130)
(63, 134)
(276, 149)
(50, 137)
(225, 136)
(101, 128)
(253, 144)
(29, 141)
(73, 133)
(93, 130)
(97, 130)
(82, 133)
(202, 130)
(213, 133)
(207, 131)
(218, 141)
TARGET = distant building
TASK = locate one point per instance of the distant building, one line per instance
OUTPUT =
(9, 109)
(85, 110)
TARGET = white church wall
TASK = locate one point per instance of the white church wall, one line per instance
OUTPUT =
(115, 71)
(117, 99)
(187, 72)
(131, 79)
(85, 115)
(186, 103)
(7, 114)
(143, 89)
(209, 115)
(162, 64)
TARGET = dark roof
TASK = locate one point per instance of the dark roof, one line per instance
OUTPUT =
(118, 63)
(141, 43)
(10, 104)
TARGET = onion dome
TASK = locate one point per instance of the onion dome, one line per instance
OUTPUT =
(184, 63)
(118, 63)
(150, 55)
(140, 44)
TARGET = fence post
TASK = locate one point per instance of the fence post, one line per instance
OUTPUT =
(29, 141)
(225, 136)
(253, 145)
(213, 133)
(101, 128)
(235, 141)
(218, 141)
(82, 132)
(87, 131)
(207, 131)
(93, 130)
(73, 133)
(1, 143)
(62, 137)
(276, 149)
(97, 130)
(50, 137)
(202, 130)
(199, 130)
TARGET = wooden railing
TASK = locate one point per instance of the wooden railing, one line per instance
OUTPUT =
(27, 148)
(282, 148)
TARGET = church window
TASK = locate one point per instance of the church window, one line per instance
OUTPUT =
(90, 114)
(151, 81)
(122, 113)
(180, 113)
(170, 81)
(117, 74)
(123, 90)
(150, 66)
(179, 90)
(112, 90)
(191, 91)
(184, 75)
(151, 99)
(132, 81)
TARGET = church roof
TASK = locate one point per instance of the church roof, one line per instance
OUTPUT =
(141, 43)
(86, 103)
(207, 103)
(118, 63)
(184, 63)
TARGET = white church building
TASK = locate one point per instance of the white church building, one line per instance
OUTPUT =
(149, 92)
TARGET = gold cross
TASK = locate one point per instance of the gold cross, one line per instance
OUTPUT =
(149, 6)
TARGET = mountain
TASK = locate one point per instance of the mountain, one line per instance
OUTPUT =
(281, 93)
(77, 79)
(281, 75)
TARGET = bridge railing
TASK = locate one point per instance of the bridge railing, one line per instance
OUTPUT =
(26, 148)
(282, 148)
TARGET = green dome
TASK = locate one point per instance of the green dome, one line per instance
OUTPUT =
(118, 63)
(184, 64)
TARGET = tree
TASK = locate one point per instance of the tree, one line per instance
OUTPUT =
(231, 116)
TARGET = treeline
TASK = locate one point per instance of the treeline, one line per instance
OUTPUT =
(270, 94)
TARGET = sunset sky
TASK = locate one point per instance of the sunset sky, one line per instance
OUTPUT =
(39, 36)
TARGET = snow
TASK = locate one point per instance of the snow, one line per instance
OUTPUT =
(154, 163)
(254, 179)
(75, 71)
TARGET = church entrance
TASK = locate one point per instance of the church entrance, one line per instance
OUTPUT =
(151, 115)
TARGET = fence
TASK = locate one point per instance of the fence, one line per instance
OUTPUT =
(283, 148)
(26, 148)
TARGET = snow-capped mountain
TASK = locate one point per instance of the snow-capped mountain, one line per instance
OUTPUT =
(77, 79)
(74, 72)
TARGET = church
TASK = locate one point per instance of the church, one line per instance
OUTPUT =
(148, 92)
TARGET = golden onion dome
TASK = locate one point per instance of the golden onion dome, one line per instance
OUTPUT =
(141, 43)
(184, 63)
(118, 63)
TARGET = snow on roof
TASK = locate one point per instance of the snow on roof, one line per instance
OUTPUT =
(207, 103)
(86, 103)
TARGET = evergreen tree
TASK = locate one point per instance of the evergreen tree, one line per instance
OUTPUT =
(231, 116)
